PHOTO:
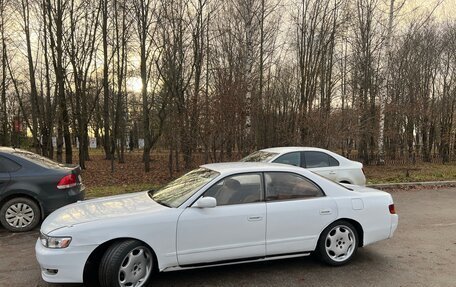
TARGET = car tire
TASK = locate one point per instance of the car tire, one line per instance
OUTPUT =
(20, 214)
(126, 263)
(338, 243)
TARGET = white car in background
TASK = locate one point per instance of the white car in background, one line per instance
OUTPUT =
(321, 161)
(215, 215)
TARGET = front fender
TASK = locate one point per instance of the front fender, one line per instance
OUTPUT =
(158, 233)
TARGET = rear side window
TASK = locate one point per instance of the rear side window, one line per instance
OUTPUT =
(7, 165)
(316, 159)
(292, 158)
(285, 186)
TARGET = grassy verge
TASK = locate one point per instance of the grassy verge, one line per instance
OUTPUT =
(411, 173)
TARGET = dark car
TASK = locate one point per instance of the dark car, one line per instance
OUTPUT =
(32, 186)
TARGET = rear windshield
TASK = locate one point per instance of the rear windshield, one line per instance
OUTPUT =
(37, 159)
(259, 156)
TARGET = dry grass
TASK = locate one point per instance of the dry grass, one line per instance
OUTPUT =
(416, 173)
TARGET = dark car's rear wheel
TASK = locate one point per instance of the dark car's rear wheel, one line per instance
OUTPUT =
(126, 263)
(20, 214)
(338, 243)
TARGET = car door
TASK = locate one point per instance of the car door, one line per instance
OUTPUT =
(234, 229)
(5, 166)
(321, 163)
(297, 212)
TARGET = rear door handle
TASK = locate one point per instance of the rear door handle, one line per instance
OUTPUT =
(255, 218)
(325, 211)
(332, 172)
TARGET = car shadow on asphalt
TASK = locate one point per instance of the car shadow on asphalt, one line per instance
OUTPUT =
(285, 272)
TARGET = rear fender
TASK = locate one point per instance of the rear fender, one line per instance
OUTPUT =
(22, 193)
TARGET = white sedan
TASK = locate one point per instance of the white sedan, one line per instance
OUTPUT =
(217, 214)
(321, 161)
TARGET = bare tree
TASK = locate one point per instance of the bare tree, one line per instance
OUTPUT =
(81, 51)
(5, 140)
(25, 13)
(153, 102)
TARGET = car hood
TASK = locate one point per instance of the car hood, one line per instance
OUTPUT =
(99, 209)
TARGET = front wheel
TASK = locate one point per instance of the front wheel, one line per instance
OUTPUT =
(127, 263)
(338, 243)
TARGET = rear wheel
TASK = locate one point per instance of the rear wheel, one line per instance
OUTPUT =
(127, 263)
(20, 214)
(338, 243)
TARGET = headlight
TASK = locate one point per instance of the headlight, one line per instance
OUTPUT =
(54, 242)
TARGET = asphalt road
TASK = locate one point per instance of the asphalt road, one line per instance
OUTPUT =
(422, 253)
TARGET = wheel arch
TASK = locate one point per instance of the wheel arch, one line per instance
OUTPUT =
(93, 261)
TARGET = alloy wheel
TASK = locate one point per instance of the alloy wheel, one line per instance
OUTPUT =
(136, 268)
(340, 243)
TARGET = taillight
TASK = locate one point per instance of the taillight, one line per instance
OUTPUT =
(67, 181)
(392, 209)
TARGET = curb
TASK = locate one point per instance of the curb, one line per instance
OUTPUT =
(449, 183)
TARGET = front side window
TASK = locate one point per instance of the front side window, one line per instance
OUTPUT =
(7, 165)
(284, 186)
(181, 189)
(316, 159)
(237, 189)
(292, 158)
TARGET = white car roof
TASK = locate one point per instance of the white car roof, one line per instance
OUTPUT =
(282, 150)
(235, 167)
(292, 148)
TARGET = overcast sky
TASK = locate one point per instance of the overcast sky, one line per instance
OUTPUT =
(445, 8)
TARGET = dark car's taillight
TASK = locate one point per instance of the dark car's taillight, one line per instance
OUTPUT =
(392, 209)
(68, 181)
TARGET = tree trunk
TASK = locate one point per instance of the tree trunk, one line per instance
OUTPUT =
(33, 89)
(106, 141)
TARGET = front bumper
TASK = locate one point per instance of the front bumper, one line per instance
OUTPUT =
(62, 265)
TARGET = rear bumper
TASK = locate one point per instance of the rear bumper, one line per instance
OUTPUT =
(62, 265)
(359, 179)
(62, 198)
(394, 223)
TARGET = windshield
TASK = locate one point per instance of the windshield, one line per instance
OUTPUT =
(181, 189)
(259, 156)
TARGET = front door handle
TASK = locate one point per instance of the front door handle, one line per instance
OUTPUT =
(255, 218)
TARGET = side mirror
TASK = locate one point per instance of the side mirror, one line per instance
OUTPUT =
(206, 202)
